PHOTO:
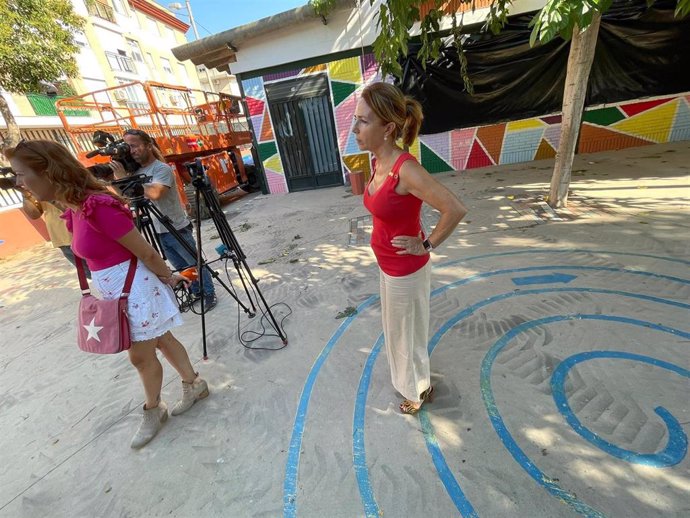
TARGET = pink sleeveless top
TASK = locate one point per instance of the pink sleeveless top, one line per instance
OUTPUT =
(96, 227)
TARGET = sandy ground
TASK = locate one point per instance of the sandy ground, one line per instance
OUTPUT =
(560, 357)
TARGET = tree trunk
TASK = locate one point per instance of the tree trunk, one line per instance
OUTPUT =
(13, 135)
(582, 47)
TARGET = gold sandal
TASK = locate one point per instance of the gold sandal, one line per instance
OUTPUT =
(407, 406)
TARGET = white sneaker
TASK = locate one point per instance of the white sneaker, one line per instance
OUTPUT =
(191, 393)
(152, 422)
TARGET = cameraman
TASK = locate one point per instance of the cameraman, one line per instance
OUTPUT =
(162, 191)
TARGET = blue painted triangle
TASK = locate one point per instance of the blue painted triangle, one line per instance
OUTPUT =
(681, 126)
(551, 278)
(351, 148)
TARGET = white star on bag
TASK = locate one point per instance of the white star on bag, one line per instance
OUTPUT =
(93, 330)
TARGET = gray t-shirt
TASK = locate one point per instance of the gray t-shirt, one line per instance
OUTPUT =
(170, 203)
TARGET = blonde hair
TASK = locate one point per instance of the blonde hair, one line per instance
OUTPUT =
(391, 105)
(72, 181)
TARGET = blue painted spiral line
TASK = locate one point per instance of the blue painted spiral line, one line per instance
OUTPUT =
(452, 487)
(292, 464)
(677, 446)
(497, 421)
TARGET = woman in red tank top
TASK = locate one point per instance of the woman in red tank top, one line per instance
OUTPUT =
(394, 196)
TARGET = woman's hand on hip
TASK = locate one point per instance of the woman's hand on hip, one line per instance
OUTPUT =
(411, 245)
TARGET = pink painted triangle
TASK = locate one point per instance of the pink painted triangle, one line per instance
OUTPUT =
(460, 146)
(343, 119)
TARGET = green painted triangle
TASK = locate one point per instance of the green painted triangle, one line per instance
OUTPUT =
(603, 116)
(432, 162)
(267, 150)
(341, 91)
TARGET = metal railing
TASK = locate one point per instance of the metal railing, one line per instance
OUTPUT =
(101, 10)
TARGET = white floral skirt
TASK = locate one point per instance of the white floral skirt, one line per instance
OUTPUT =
(151, 306)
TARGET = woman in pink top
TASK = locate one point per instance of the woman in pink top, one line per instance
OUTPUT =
(394, 196)
(105, 236)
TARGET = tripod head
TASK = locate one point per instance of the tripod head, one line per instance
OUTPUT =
(132, 187)
(197, 172)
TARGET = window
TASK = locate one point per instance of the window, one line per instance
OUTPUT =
(183, 73)
(166, 66)
(135, 50)
(153, 26)
(133, 95)
(152, 66)
(120, 62)
(171, 34)
(119, 7)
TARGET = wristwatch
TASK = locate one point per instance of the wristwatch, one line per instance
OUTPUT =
(427, 245)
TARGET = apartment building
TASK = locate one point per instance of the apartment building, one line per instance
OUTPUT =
(123, 41)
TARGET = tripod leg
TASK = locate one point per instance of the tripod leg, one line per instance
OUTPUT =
(244, 284)
(199, 266)
(274, 322)
(203, 187)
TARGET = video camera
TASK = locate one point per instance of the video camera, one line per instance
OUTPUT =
(117, 150)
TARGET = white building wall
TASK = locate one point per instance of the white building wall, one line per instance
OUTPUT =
(346, 30)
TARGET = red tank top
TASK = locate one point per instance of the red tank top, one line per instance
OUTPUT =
(394, 215)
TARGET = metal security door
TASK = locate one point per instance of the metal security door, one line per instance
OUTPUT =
(305, 131)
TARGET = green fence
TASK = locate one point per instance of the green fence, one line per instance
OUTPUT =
(45, 105)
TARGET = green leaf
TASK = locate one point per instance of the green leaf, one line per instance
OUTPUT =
(37, 43)
(682, 9)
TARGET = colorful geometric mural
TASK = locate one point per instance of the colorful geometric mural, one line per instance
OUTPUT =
(628, 124)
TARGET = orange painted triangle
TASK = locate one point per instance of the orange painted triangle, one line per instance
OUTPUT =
(596, 138)
(266, 128)
(545, 151)
(492, 139)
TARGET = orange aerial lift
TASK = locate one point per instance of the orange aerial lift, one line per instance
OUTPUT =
(185, 123)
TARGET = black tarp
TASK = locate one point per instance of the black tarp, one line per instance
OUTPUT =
(641, 52)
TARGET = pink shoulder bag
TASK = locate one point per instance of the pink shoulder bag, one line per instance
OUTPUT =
(103, 324)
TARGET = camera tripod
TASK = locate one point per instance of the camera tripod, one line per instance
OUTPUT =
(145, 211)
(231, 248)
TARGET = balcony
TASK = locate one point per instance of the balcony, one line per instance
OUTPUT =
(101, 9)
(44, 105)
